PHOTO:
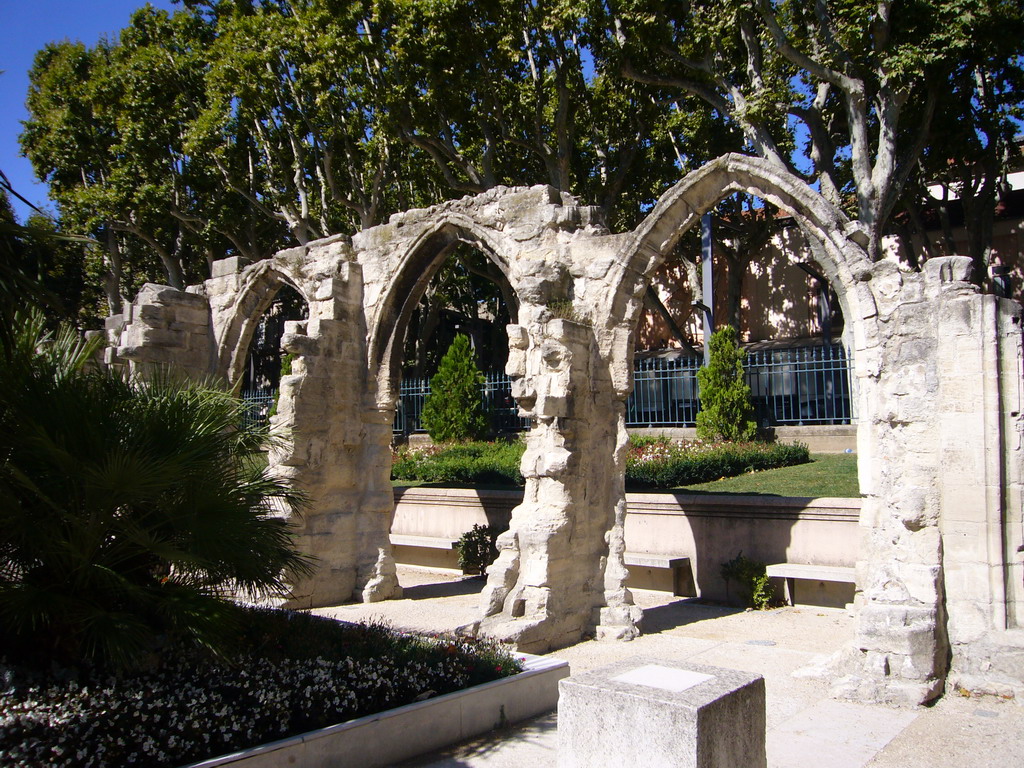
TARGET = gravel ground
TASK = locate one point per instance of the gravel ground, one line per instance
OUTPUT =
(806, 728)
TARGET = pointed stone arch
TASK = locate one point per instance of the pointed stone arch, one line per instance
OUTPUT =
(404, 284)
(680, 208)
(258, 286)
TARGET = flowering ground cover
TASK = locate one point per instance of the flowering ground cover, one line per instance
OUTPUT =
(292, 673)
(659, 462)
(651, 462)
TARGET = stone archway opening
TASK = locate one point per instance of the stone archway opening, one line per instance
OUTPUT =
(265, 363)
(451, 283)
(795, 380)
(467, 295)
(577, 372)
(261, 302)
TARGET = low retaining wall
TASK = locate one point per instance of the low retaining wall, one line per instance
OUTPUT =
(415, 729)
(709, 529)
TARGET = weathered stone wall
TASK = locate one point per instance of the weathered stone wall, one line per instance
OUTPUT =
(938, 367)
(337, 449)
(162, 328)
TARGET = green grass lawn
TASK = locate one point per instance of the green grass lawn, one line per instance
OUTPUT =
(828, 474)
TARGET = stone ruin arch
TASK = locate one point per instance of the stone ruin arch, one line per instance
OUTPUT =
(254, 295)
(940, 580)
(411, 272)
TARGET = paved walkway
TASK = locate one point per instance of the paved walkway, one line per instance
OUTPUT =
(806, 728)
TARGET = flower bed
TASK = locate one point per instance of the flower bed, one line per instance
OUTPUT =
(299, 673)
(399, 734)
(652, 462)
(663, 463)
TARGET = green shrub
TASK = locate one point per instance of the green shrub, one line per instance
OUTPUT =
(663, 463)
(480, 463)
(477, 550)
(725, 408)
(751, 580)
(453, 411)
(652, 462)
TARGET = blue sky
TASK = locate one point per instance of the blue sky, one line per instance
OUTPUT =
(27, 26)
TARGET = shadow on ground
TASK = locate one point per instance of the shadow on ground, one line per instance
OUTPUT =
(679, 613)
(539, 730)
(469, 586)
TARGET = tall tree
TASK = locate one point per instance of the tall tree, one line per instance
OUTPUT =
(969, 158)
(514, 92)
(111, 129)
(297, 81)
(858, 80)
(69, 138)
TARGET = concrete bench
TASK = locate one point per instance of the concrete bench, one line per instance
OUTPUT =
(792, 571)
(426, 551)
(678, 565)
(655, 561)
(426, 542)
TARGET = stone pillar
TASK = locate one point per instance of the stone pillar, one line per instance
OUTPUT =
(935, 383)
(899, 652)
(549, 586)
(980, 402)
(164, 328)
(332, 449)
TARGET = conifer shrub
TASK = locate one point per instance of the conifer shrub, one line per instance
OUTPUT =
(726, 412)
(453, 411)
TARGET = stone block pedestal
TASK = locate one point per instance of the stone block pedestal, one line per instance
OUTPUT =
(650, 712)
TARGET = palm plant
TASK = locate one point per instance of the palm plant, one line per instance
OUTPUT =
(129, 512)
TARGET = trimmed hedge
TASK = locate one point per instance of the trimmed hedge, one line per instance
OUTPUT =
(651, 462)
(477, 463)
(662, 463)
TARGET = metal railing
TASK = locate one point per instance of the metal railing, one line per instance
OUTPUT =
(258, 404)
(801, 385)
(497, 399)
(664, 392)
(794, 386)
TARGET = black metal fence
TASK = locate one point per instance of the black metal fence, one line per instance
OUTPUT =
(802, 385)
(258, 405)
(497, 397)
(794, 386)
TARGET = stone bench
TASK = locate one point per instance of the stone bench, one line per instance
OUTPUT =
(677, 564)
(426, 551)
(427, 542)
(842, 574)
